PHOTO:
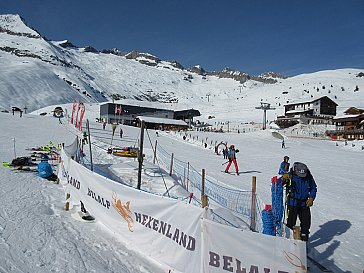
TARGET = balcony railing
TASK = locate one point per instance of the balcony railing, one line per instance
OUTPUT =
(345, 132)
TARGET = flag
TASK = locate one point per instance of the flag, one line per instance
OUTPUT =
(118, 109)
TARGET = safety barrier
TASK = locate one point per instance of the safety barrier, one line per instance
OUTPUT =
(238, 201)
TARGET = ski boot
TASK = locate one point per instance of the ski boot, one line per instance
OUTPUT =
(304, 237)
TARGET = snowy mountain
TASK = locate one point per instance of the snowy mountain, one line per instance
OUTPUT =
(37, 235)
(37, 73)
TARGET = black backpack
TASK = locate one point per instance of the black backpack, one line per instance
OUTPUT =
(22, 161)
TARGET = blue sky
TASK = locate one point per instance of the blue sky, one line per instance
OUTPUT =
(290, 37)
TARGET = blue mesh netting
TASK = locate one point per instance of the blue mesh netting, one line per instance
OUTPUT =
(267, 218)
(236, 200)
(277, 205)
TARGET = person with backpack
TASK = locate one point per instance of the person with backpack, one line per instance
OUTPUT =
(301, 192)
(45, 169)
(232, 159)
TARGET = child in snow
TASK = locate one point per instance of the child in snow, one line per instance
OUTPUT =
(45, 169)
(232, 159)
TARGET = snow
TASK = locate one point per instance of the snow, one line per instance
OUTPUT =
(37, 235)
(347, 116)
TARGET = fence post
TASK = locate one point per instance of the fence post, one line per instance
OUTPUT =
(204, 198)
(67, 208)
(254, 188)
(155, 152)
(188, 174)
(171, 166)
(296, 233)
(203, 183)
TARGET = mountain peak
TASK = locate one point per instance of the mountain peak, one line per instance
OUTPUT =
(16, 25)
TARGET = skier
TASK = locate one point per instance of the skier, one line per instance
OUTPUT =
(121, 132)
(232, 159)
(283, 144)
(45, 169)
(104, 125)
(301, 192)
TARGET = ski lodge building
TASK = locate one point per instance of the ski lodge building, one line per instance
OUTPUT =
(349, 126)
(318, 111)
(163, 118)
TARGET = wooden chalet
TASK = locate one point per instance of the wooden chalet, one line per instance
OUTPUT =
(349, 126)
(318, 111)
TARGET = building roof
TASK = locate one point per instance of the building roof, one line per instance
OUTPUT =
(311, 101)
(165, 121)
(354, 110)
(346, 116)
(349, 117)
(155, 105)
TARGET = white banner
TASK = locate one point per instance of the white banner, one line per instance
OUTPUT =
(245, 251)
(168, 230)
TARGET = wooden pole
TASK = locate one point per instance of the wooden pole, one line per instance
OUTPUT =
(296, 233)
(203, 183)
(252, 220)
(89, 144)
(67, 207)
(204, 200)
(155, 152)
(171, 166)
(188, 174)
(140, 156)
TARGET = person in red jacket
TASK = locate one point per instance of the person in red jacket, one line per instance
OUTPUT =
(232, 159)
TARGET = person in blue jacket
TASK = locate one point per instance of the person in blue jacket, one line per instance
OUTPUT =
(284, 167)
(45, 169)
(301, 192)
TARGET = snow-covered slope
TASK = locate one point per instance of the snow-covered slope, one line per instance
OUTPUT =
(38, 73)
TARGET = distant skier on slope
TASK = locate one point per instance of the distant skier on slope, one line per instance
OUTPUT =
(232, 159)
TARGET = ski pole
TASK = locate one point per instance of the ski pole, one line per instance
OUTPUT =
(225, 163)
(14, 148)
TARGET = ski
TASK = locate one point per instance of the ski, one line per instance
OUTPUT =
(6, 164)
(232, 173)
(25, 170)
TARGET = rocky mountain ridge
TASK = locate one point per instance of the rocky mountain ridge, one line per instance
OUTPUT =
(37, 72)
